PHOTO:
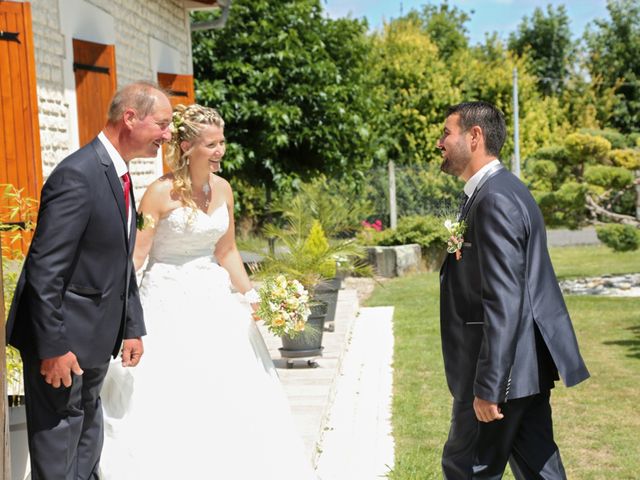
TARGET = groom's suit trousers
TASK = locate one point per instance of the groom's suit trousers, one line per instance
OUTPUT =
(524, 438)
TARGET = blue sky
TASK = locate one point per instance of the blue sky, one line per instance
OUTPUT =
(501, 16)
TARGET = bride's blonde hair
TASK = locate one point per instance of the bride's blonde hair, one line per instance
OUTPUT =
(187, 124)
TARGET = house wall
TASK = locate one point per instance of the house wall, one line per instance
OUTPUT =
(149, 36)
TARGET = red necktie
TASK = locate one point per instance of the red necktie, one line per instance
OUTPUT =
(126, 184)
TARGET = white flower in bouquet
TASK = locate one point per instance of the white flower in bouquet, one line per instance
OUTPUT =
(283, 305)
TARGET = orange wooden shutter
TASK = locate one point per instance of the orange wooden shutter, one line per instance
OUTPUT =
(180, 90)
(20, 161)
(94, 66)
(179, 87)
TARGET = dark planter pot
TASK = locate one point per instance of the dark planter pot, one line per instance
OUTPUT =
(309, 342)
(328, 292)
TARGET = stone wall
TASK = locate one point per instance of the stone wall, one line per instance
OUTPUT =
(52, 108)
(137, 25)
(395, 261)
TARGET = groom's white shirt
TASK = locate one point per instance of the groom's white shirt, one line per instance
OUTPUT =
(121, 168)
(473, 182)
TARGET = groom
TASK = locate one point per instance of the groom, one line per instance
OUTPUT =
(77, 297)
(506, 332)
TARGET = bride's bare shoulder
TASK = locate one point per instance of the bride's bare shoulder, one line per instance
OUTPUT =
(162, 185)
(221, 183)
(159, 195)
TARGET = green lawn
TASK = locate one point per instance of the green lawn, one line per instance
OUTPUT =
(589, 261)
(597, 422)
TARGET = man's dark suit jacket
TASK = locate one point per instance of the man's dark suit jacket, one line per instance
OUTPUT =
(77, 290)
(498, 294)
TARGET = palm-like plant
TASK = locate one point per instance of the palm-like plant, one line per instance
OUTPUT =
(337, 206)
(303, 251)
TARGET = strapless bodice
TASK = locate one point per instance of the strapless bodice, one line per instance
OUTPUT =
(186, 235)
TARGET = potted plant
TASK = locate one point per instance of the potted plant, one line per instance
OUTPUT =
(306, 254)
(337, 208)
(287, 312)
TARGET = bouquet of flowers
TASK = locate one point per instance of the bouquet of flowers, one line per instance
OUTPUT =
(456, 231)
(283, 305)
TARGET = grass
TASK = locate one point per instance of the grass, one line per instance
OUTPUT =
(596, 423)
(593, 260)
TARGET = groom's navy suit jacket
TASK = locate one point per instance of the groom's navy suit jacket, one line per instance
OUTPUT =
(506, 332)
(77, 290)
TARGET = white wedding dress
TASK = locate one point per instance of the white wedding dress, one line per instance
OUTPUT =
(205, 402)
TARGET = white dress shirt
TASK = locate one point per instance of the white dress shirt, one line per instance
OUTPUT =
(473, 182)
(121, 169)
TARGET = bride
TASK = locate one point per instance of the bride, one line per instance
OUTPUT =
(205, 402)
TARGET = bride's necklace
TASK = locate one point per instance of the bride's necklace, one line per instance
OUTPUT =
(202, 196)
(206, 190)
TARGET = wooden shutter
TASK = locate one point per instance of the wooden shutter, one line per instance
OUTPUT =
(180, 90)
(20, 161)
(94, 67)
(179, 87)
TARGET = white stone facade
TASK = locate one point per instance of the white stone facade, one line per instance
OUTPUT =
(149, 36)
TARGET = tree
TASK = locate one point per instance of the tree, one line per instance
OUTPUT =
(546, 41)
(292, 88)
(416, 89)
(446, 27)
(583, 179)
(613, 60)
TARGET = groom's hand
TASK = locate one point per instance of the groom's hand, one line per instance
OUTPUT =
(58, 370)
(132, 351)
(486, 411)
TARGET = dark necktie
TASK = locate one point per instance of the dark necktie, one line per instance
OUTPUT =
(126, 184)
(463, 201)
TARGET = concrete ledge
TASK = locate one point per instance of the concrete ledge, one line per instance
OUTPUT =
(396, 260)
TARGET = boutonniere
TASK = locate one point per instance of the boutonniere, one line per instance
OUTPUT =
(144, 220)
(456, 231)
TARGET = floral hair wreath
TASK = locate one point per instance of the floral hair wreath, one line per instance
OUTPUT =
(177, 124)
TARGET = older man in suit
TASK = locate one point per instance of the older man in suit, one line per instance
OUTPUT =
(506, 332)
(77, 297)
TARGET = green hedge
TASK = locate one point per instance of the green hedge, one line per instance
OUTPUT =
(621, 238)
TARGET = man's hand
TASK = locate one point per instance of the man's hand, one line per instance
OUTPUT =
(58, 370)
(486, 411)
(132, 350)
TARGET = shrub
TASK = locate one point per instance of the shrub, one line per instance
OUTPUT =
(609, 177)
(621, 238)
(541, 174)
(557, 154)
(564, 207)
(615, 138)
(626, 158)
(317, 246)
(427, 231)
(586, 148)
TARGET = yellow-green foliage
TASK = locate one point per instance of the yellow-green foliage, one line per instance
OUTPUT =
(14, 207)
(627, 158)
(540, 174)
(584, 148)
(417, 89)
(609, 177)
(317, 246)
